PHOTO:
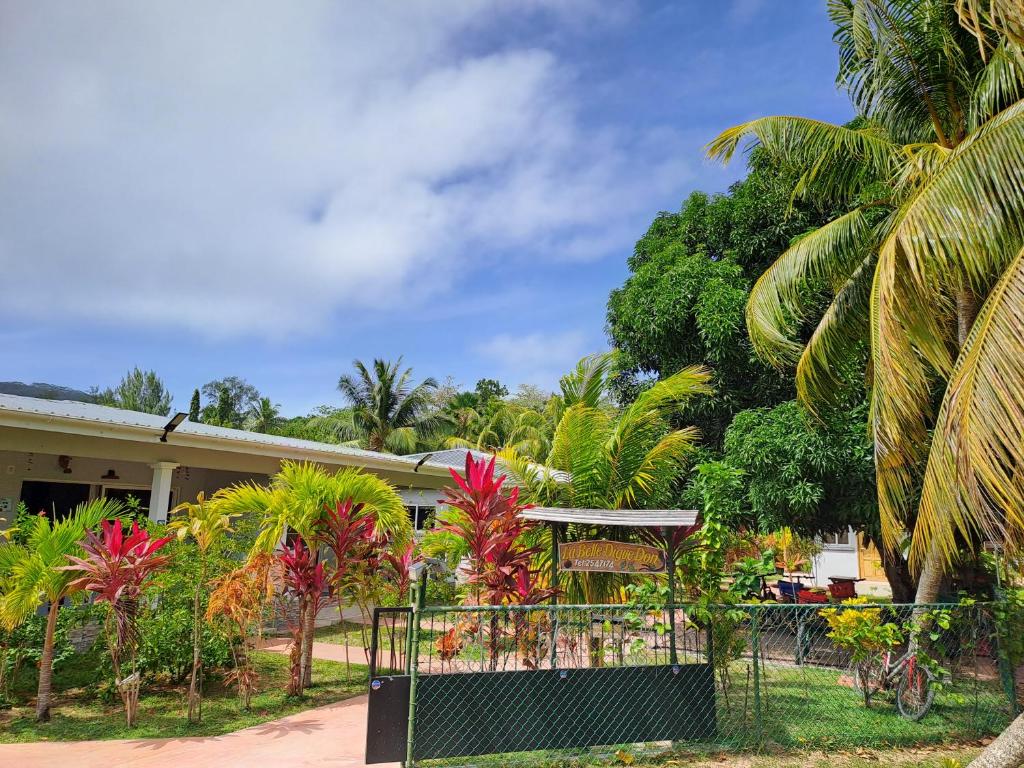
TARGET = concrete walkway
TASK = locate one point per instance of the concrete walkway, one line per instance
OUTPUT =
(332, 736)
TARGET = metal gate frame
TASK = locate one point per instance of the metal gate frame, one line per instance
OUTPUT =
(416, 716)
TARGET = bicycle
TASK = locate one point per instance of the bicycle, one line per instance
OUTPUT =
(914, 682)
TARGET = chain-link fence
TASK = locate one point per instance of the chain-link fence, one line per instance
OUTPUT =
(548, 683)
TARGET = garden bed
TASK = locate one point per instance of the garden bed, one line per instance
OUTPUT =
(81, 713)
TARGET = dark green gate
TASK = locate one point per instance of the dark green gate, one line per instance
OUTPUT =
(493, 680)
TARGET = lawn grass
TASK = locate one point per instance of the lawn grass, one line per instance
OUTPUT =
(807, 707)
(80, 713)
(899, 758)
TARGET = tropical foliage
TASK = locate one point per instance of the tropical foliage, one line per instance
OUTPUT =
(387, 408)
(138, 391)
(115, 568)
(204, 523)
(34, 565)
(931, 229)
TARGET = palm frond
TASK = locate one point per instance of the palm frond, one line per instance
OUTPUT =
(836, 160)
(965, 223)
(775, 307)
(1001, 83)
(578, 449)
(586, 383)
(837, 337)
(972, 484)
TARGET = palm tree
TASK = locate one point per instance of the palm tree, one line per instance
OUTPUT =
(299, 498)
(605, 460)
(929, 178)
(34, 562)
(510, 426)
(264, 416)
(386, 408)
(206, 525)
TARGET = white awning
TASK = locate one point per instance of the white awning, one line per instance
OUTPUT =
(627, 518)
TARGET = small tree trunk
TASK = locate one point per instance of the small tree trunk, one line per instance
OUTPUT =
(308, 630)
(1005, 752)
(195, 712)
(295, 664)
(46, 666)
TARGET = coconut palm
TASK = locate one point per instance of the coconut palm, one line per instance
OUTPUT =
(300, 498)
(264, 416)
(35, 566)
(600, 459)
(206, 525)
(386, 407)
(934, 223)
(510, 426)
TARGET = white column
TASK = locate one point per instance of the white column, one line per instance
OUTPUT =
(160, 492)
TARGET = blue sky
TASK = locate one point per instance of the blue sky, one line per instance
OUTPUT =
(270, 190)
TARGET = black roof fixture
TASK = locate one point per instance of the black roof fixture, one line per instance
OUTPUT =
(172, 425)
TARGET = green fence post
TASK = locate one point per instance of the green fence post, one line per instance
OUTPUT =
(671, 558)
(755, 652)
(553, 621)
(419, 598)
(1005, 670)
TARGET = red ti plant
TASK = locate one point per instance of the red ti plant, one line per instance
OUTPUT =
(304, 580)
(488, 521)
(401, 563)
(115, 568)
(349, 534)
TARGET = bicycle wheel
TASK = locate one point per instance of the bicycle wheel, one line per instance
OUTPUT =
(915, 693)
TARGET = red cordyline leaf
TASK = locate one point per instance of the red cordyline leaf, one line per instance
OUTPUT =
(349, 534)
(488, 521)
(303, 576)
(114, 567)
(401, 563)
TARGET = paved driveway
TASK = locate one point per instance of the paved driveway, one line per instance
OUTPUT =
(333, 735)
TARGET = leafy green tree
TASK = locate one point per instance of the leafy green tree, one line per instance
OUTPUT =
(489, 389)
(931, 229)
(815, 475)
(204, 523)
(230, 400)
(300, 498)
(682, 308)
(387, 408)
(139, 391)
(194, 406)
(684, 301)
(33, 567)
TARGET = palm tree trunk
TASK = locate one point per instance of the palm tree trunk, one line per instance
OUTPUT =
(1007, 751)
(46, 666)
(930, 583)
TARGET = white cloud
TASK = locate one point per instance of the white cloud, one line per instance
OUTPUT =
(536, 358)
(240, 167)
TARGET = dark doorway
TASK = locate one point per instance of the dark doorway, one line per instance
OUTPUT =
(55, 499)
(135, 500)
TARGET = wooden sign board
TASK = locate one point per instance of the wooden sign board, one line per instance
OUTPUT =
(610, 557)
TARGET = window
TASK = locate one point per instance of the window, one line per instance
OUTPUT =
(842, 540)
(420, 516)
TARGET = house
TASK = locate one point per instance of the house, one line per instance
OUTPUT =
(55, 454)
